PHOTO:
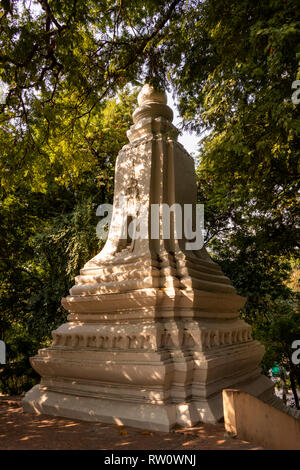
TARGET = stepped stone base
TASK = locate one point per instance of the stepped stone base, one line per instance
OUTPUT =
(153, 417)
(149, 397)
(86, 408)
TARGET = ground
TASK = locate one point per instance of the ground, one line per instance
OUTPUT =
(20, 430)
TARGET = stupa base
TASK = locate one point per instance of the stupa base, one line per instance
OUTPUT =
(151, 416)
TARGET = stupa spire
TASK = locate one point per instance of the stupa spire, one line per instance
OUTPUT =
(152, 116)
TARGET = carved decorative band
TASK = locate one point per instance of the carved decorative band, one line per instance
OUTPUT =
(102, 341)
(169, 339)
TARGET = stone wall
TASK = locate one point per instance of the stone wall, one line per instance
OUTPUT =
(254, 420)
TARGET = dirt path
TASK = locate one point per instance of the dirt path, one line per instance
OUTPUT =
(20, 430)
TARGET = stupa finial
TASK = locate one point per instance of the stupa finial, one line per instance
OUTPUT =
(152, 103)
(149, 95)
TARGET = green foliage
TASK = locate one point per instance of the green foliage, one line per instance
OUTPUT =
(60, 59)
(235, 79)
(271, 306)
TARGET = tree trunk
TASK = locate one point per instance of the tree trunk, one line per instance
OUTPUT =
(293, 384)
(284, 390)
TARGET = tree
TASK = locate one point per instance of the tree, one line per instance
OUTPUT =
(271, 306)
(235, 79)
(86, 51)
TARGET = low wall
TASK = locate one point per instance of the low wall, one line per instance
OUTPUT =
(253, 420)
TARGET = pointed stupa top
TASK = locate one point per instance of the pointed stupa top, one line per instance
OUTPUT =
(149, 95)
(152, 103)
